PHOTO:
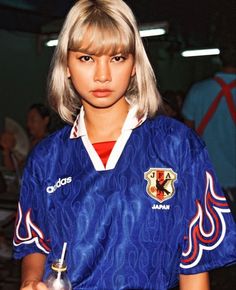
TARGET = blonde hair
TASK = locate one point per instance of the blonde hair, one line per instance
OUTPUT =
(112, 28)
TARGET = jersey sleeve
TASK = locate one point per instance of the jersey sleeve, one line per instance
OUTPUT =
(31, 230)
(209, 229)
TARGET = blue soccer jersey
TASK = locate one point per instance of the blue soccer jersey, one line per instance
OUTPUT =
(156, 210)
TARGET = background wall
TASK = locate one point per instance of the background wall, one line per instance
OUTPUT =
(174, 71)
(23, 71)
(24, 63)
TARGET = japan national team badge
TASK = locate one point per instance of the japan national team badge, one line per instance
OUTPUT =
(160, 183)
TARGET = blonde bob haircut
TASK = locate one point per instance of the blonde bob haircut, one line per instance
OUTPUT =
(111, 28)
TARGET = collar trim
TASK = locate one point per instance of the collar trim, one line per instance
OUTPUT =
(131, 122)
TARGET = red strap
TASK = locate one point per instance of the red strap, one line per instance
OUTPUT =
(226, 88)
(226, 92)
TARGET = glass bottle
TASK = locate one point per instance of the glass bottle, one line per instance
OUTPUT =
(58, 279)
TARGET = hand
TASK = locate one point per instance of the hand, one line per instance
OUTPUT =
(33, 285)
(7, 141)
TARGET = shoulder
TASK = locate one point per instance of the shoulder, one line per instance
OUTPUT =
(200, 86)
(55, 139)
(50, 146)
(175, 137)
(196, 97)
(171, 127)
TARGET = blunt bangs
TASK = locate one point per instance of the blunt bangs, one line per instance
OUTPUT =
(102, 36)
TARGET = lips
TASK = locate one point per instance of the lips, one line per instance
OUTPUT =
(101, 93)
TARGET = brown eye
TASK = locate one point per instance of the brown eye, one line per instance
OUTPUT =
(118, 58)
(86, 58)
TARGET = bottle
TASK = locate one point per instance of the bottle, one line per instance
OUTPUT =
(58, 279)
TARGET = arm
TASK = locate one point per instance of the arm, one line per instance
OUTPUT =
(194, 282)
(32, 272)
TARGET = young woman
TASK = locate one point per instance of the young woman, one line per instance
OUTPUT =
(133, 194)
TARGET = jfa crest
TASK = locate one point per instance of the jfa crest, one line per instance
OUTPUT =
(160, 183)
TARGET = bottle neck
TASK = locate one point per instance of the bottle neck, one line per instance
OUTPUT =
(58, 267)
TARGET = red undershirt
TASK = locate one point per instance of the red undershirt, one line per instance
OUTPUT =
(104, 149)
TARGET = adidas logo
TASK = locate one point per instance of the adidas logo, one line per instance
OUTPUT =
(59, 183)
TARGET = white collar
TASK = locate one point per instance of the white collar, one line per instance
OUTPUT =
(131, 122)
(79, 130)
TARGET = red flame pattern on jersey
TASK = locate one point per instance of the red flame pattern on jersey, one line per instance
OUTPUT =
(34, 234)
(200, 238)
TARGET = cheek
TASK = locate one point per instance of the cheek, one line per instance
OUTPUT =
(124, 73)
(123, 77)
(80, 77)
(80, 85)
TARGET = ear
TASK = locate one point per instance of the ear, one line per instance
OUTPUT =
(133, 72)
(68, 72)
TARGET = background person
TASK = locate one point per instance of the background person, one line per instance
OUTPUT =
(172, 102)
(210, 108)
(14, 146)
(38, 123)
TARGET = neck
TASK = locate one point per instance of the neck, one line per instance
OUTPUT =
(105, 124)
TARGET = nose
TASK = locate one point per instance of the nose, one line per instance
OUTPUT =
(102, 72)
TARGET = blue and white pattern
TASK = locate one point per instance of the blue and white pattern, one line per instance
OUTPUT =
(118, 236)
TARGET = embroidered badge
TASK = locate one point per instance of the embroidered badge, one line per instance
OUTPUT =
(160, 183)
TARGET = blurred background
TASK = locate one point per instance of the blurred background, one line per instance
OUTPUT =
(27, 26)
